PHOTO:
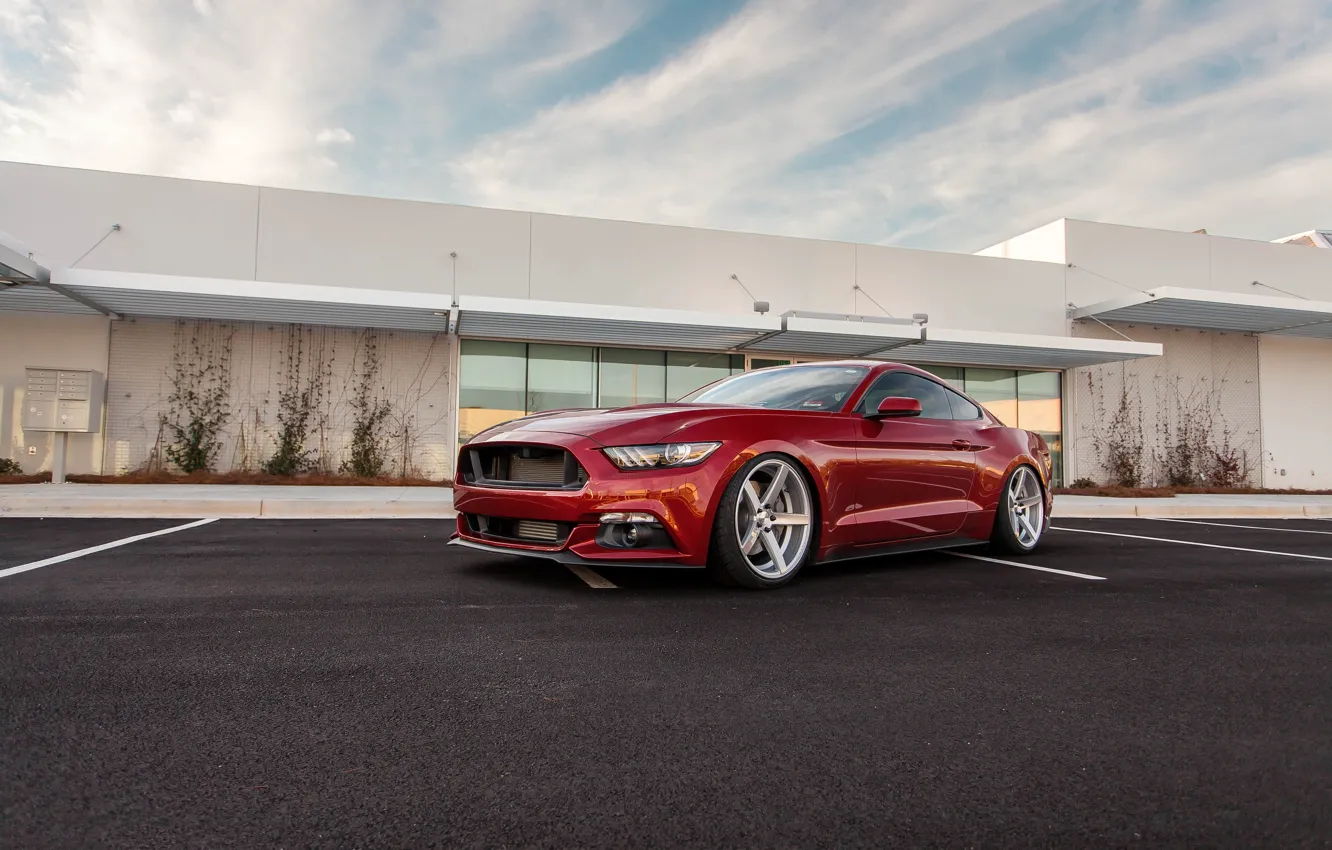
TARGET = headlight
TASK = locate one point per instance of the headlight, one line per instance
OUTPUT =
(655, 457)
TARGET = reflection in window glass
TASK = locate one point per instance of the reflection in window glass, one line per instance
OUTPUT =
(952, 375)
(559, 377)
(798, 388)
(1039, 410)
(631, 376)
(687, 371)
(996, 390)
(492, 382)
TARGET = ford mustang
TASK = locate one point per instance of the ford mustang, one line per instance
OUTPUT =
(759, 475)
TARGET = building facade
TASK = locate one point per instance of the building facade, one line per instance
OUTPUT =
(320, 315)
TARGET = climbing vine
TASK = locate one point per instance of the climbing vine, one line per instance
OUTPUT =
(369, 442)
(198, 405)
(299, 403)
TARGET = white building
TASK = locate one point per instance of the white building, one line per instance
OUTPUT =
(1144, 349)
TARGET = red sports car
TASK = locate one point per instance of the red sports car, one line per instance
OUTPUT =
(758, 475)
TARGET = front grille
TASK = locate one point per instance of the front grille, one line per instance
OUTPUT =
(528, 467)
(510, 530)
(541, 470)
(531, 529)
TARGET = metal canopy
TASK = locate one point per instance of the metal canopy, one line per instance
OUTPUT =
(17, 265)
(171, 296)
(1223, 311)
(837, 336)
(1020, 351)
(35, 298)
(600, 324)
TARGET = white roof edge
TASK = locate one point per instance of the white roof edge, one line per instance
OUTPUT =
(1045, 341)
(1209, 296)
(16, 255)
(851, 327)
(259, 290)
(614, 312)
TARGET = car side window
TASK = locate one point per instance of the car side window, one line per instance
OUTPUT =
(963, 408)
(932, 397)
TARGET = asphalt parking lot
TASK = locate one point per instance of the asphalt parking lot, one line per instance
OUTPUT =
(356, 684)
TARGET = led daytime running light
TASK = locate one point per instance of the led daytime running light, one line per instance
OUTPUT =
(660, 456)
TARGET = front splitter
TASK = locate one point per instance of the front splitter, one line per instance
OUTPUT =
(566, 557)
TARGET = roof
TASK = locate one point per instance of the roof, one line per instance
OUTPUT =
(1309, 239)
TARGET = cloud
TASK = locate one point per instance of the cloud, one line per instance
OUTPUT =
(1135, 120)
(936, 123)
(262, 92)
(334, 136)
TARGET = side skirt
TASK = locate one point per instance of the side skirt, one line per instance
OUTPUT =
(903, 548)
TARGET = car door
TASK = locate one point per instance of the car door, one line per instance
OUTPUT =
(914, 474)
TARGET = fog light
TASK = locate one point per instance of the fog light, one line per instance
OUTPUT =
(632, 530)
(629, 516)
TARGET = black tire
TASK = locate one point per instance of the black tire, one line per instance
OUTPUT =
(1007, 538)
(727, 564)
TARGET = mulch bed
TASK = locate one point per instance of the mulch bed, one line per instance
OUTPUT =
(311, 480)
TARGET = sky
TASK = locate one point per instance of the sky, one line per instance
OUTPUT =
(922, 123)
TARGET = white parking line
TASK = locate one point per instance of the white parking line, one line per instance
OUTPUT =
(1194, 543)
(69, 556)
(591, 577)
(1027, 566)
(1233, 525)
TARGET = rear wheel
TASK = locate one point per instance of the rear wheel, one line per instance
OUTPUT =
(1020, 519)
(764, 531)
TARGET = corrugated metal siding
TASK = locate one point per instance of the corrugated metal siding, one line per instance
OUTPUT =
(39, 299)
(414, 377)
(1209, 378)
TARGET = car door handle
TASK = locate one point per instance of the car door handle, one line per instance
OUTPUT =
(962, 445)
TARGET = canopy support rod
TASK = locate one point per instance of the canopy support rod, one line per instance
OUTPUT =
(81, 299)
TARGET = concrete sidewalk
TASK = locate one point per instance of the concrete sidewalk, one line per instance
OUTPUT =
(223, 500)
(245, 501)
(1210, 506)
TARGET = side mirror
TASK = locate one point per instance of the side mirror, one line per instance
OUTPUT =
(896, 406)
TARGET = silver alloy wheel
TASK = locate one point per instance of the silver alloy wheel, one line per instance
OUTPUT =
(772, 518)
(1026, 507)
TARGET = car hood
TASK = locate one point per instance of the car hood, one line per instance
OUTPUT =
(643, 424)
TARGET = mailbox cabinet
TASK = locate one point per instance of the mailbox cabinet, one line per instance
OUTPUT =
(63, 400)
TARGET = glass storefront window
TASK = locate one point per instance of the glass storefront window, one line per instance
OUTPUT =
(631, 376)
(996, 390)
(492, 385)
(500, 381)
(686, 371)
(560, 376)
(950, 374)
(1040, 409)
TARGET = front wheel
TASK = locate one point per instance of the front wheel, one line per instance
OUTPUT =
(1020, 518)
(764, 530)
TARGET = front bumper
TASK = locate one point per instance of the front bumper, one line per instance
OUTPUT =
(682, 500)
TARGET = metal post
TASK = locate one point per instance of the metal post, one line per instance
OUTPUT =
(58, 458)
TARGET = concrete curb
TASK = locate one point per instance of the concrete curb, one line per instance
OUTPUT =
(223, 509)
(1177, 511)
(130, 508)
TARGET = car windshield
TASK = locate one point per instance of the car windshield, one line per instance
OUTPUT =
(785, 388)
